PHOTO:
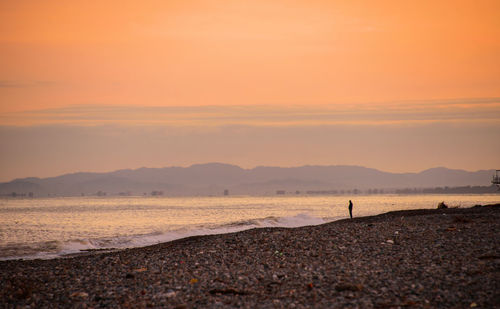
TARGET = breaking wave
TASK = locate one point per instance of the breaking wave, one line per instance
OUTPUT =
(54, 249)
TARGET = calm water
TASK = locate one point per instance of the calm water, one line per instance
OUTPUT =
(46, 228)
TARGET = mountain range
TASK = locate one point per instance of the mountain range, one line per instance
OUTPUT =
(214, 178)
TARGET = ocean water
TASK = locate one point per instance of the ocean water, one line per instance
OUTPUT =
(53, 227)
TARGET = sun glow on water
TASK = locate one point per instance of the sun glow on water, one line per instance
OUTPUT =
(53, 226)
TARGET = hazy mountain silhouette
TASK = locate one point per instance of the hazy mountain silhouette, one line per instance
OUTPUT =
(213, 178)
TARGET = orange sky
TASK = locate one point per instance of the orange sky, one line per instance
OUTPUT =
(417, 81)
(179, 53)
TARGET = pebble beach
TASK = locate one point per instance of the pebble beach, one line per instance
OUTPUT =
(434, 258)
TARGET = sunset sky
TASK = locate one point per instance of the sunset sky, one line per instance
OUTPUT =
(102, 85)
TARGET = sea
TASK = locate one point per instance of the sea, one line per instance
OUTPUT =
(45, 228)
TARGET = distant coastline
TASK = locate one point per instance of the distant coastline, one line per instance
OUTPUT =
(406, 191)
(215, 179)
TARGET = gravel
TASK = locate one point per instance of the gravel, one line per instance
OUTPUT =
(404, 259)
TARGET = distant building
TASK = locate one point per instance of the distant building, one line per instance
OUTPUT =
(280, 192)
(226, 192)
(496, 179)
(322, 192)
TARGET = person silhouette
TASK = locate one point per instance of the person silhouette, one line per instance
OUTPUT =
(350, 208)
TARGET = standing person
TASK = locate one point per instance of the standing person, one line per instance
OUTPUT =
(350, 208)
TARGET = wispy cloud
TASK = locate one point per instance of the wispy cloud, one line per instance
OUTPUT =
(55, 149)
(396, 113)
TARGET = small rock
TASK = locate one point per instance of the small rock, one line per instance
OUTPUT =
(442, 205)
(170, 294)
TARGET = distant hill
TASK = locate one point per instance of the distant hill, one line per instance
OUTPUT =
(214, 178)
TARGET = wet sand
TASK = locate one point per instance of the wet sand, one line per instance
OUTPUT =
(411, 259)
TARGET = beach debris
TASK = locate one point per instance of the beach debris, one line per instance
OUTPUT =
(129, 276)
(193, 281)
(473, 305)
(389, 241)
(140, 270)
(348, 287)
(442, 205)
(310, 286)
(79, 295)
(229, 291)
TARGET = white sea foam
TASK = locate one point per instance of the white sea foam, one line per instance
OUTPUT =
(48, 250)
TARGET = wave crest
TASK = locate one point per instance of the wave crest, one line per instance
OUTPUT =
(53, 249)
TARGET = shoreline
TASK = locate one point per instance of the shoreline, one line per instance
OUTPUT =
(413, 258)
